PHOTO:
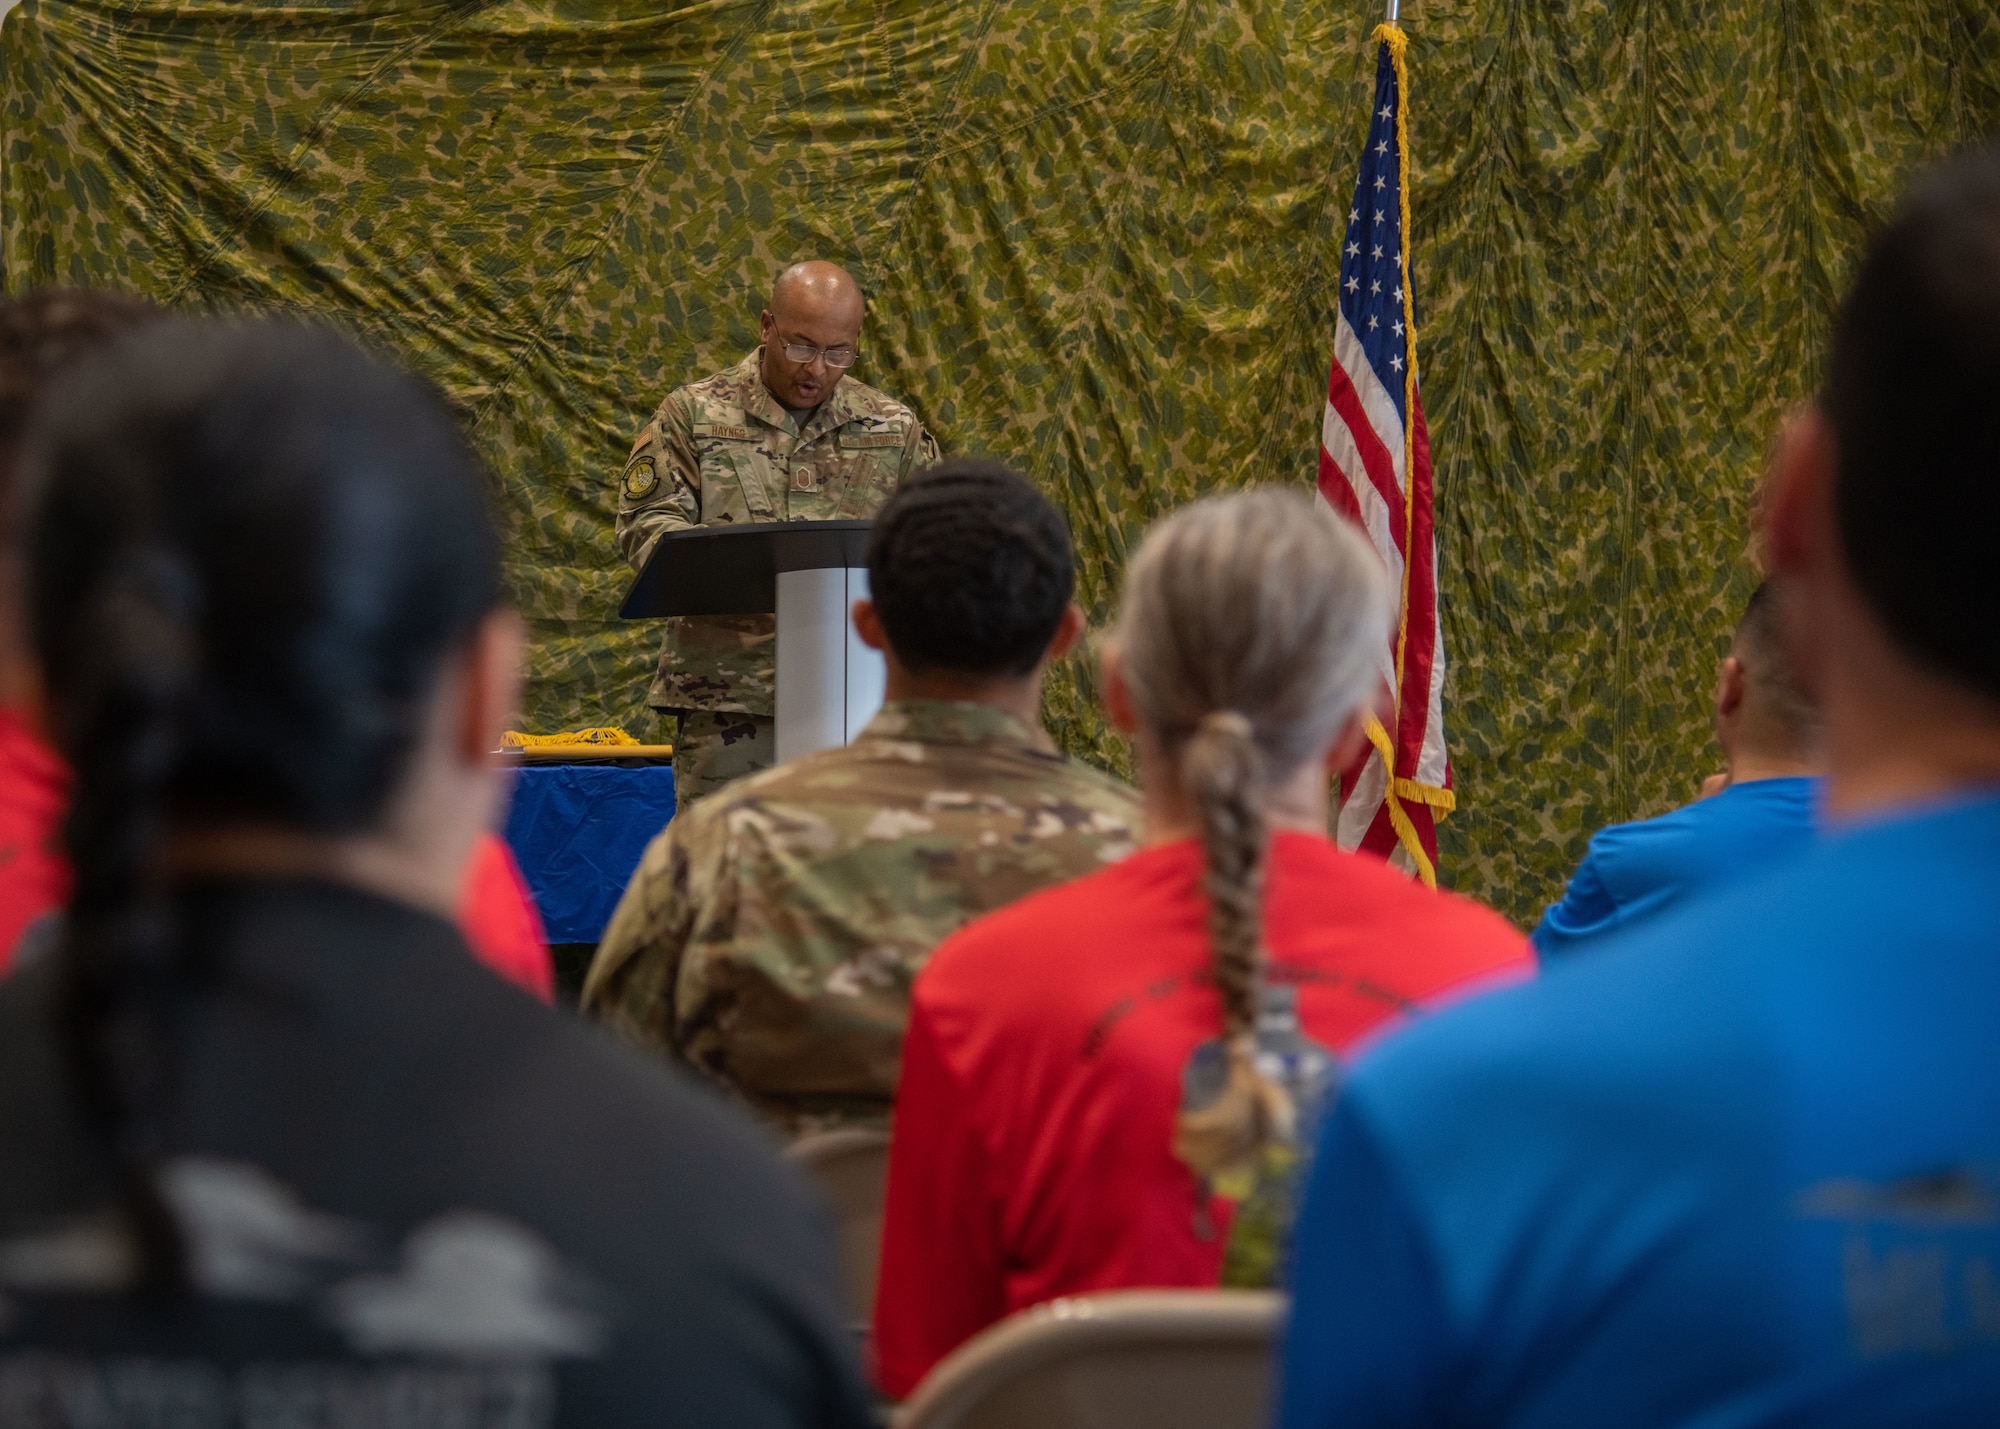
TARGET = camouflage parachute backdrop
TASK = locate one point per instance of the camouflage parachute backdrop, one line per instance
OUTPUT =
(1100, 236)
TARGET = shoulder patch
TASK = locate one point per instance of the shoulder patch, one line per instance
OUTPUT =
(718, 429)
(645, 435)
(641, 479)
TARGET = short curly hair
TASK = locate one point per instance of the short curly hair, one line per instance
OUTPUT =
(970, 570)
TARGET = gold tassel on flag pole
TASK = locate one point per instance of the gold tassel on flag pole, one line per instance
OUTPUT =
(1398, 821)
(1400, 786)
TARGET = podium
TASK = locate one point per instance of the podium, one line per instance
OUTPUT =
(806, 572)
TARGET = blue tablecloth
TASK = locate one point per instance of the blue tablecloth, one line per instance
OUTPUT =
(577, 831)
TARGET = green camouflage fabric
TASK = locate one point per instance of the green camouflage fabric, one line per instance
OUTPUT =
(724, 450)
(1099, 239)
(1260, 1231)
(769, 936)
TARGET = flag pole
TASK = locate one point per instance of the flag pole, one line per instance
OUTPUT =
(1394, 5)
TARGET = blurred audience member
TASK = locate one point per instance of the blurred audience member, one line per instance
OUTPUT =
(1758, 812)
(497, 914)
(1105, 1084)
(272, 1147)
(40, 335)
(1744, 1168)
(34, 786)
(770, 933)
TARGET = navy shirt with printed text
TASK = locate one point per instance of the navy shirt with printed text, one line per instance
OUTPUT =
(411, 1195)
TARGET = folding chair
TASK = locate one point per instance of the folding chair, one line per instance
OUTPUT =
(851, 1168)
(1123, 1359)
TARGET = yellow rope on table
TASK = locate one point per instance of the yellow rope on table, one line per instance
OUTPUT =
(607, 734)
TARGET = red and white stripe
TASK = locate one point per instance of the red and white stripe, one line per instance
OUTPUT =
(1378, 476)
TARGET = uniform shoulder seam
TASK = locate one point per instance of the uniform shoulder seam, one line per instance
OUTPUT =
(1091, 774)
(715, 386)
(897, 407)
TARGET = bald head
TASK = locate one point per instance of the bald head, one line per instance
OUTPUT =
(816, 308)
(815, 284)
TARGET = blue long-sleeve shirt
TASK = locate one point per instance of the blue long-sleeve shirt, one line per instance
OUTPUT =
(1635, 871)
(1741, 1172)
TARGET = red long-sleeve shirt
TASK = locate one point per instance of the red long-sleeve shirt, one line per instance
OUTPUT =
(1032, 1152)
(497, 914)
(34, 790)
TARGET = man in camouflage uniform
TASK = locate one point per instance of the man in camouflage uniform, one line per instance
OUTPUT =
(785, 435)
(770, 934)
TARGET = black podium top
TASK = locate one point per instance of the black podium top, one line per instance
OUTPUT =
(733, 570)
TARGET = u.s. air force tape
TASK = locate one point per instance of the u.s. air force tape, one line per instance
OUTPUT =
(640, 478)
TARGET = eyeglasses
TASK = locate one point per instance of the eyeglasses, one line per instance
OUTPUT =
(805, 352)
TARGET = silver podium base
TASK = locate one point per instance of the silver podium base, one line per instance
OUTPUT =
(829, 683)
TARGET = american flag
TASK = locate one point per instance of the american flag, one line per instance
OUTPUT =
(1375, 469)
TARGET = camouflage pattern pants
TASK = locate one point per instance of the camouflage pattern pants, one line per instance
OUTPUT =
(711, 749)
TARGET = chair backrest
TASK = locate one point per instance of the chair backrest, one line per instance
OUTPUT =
(851, 1168)
(1122, 1359)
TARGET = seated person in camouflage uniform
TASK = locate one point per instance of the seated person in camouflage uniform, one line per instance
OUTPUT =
(770, 933)
(785, 435)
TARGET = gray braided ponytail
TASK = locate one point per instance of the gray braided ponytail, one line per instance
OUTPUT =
(1248, 635)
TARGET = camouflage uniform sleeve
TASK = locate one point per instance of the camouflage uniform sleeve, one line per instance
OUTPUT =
(634, 976)
(659, 489)
(919, 451)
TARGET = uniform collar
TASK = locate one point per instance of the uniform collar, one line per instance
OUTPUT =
(760, 402)
(959, 722)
